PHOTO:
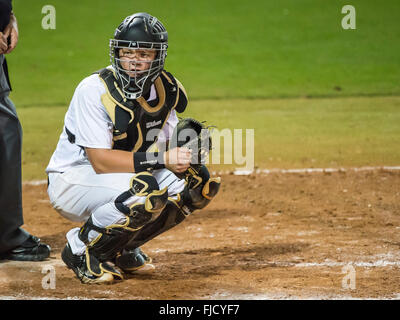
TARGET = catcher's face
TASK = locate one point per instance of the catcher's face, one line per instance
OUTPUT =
(136, 62)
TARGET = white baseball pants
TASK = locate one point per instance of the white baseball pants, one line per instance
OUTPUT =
(80, 192)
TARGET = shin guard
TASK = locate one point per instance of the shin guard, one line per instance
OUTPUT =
(113, 238)
(199, 190)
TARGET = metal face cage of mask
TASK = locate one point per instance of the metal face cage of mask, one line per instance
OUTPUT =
(137, 82)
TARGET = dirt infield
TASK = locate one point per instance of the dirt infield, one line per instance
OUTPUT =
(270, 236)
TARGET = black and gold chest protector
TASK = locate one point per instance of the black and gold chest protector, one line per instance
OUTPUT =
(137, 123)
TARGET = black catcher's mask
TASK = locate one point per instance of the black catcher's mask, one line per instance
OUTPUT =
(137, 32)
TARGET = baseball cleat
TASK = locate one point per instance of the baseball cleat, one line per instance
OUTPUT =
(132, 261)
(88, 268)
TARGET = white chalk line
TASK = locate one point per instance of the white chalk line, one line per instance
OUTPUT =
(239, 172)
(34, 183)
(363, 264)
(381, 263)
(312, 170)
(332, 264)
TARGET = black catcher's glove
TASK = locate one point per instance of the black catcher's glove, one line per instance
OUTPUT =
(195, 136)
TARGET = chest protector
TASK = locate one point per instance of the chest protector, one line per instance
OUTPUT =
(133, 119)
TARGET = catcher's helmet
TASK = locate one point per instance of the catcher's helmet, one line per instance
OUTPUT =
(139, 31)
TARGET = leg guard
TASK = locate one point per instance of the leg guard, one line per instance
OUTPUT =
(200, 189)
(170, 217)
(112, 239)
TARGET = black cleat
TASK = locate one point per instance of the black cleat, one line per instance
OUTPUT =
(30, 250)
(88, 269)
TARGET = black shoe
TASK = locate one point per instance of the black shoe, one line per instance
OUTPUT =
(88, 268)
(30, 250)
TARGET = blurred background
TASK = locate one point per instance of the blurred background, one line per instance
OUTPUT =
(315, 94)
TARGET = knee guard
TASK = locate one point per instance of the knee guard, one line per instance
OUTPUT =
(143, 185)
(112, 239)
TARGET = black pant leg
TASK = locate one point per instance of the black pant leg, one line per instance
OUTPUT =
(11, 216)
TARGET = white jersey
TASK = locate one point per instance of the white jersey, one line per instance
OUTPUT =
(89, 121)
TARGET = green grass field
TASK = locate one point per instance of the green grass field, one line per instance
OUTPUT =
(315, 94)
(289, 133)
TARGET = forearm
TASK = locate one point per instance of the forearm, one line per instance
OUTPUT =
(110, 161)
(114, 161)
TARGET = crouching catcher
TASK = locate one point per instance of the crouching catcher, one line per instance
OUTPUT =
(125, 166)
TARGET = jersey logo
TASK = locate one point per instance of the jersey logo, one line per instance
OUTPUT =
(152, 124)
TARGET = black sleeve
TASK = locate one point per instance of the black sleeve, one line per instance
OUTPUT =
(5, 11)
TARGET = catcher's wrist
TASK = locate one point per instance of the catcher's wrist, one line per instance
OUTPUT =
(145, 161)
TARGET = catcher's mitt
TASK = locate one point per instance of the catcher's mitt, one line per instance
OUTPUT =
(195, 136)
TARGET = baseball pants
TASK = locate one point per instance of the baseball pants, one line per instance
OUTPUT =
(79, 193)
